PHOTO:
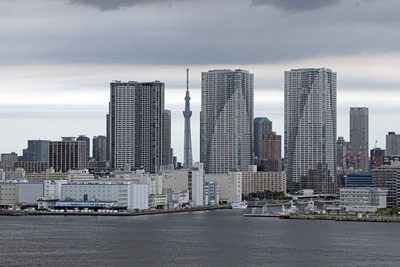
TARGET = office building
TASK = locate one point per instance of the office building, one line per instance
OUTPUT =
(67, 154)
(87, 142)
(362, 199)
(32, 166)
(99, 148)
(8, 160)
(167, 139)
(262, 127)
(392, 144)
(226, 120)
(310, 128)
(359, 137)
(376, 158)
(342, 150)
(38, 150)
(267, 146)
(359, 179)
(136, 125)
(388, 177)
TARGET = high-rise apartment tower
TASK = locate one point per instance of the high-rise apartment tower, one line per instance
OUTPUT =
(135, 127)
(226, 120)
(310, 129)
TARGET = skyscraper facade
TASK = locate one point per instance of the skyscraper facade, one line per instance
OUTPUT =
(167, 138)
(67, 154)
(392, 144)
(38, 150)
(359, 137)
(8, 160)
(135, 127)
(310, 129)
(99, 148)
(262, 127)
(87, 142)
(342, 150)
(226, 120)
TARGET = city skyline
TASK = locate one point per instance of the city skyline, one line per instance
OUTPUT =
(57, 63)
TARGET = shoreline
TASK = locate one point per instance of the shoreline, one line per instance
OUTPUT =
(132, 213)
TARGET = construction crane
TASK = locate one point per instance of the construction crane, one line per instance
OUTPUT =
(358, 156)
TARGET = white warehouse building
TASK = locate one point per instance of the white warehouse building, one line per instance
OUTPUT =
(363, 198)
(133, 196)
(15, 194)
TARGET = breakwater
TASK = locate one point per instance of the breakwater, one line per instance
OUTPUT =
(337, 217)
(349, 218)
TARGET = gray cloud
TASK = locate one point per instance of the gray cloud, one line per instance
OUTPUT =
(115, 4)
(297, 5)
(193, 33)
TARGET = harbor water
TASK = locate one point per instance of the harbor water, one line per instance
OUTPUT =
(206, 238)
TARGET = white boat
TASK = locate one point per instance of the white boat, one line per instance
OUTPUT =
(239, 205)
(311, 208)
(291, 210)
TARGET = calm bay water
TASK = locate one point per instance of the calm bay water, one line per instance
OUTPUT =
(212, 238)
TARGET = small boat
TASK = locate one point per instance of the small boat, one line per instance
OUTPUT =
(284, 216)
(311, 208)
(292, 210)
(239, 205)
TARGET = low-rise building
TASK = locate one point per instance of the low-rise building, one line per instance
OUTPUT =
(158, 201)
(19, 193)
(361, 179)
(133, 196)
(388, 176)
(48, 175)
(254, 181)
(230, 186)
(191, 180)
(79, 176)
(211, 193)
(17, 174)
(362, 199)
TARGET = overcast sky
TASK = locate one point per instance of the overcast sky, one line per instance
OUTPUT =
(57, 58)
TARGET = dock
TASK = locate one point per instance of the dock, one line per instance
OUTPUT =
(127, 213)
